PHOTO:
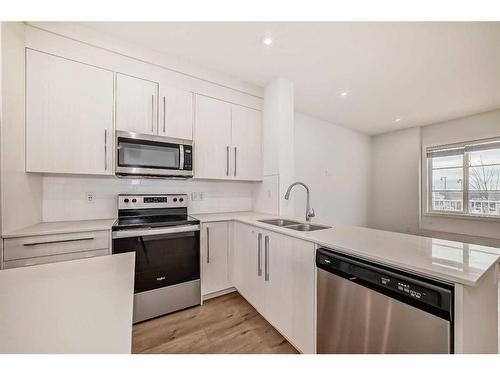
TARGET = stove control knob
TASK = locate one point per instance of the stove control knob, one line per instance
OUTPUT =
(126, 200)
(181, 199)
(175, 199)
(134, 200)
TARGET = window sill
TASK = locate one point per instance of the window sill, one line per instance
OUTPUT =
(449, 215)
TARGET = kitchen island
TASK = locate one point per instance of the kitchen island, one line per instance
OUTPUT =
(471, 269)
(74, 307)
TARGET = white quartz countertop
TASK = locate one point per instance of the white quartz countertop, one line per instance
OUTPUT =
(79, 306)
(450, 261)
(57, 227)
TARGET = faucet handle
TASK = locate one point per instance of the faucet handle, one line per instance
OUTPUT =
(311, 213)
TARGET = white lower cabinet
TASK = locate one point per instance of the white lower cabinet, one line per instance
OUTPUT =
(32, 250)
(247, 264)
(215, 257)
(284, 291)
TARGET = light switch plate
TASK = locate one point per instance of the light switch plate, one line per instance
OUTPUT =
(197, 196)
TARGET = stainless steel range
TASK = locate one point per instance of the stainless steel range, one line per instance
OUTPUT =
(166, 242)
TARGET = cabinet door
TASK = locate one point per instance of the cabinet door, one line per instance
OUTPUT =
(176, 113)
(212, 138)
(290, 289)
(69, 116)
(136, 105)
(215, 257)
(247, 278)
(246, 152)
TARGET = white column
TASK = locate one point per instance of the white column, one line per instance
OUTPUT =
(278, 148)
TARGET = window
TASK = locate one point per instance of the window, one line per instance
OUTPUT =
(464, 178)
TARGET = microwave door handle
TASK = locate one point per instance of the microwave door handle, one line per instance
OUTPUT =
(181, 157)
(152, 114)
(164, 112)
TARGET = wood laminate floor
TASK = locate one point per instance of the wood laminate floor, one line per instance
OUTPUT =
(226, 324)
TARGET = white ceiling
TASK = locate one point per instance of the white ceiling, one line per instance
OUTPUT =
(420, 72)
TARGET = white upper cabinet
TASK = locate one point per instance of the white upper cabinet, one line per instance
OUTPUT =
(246, 137)
(69, 116)
(212, 138)
(228, 140)
(176, 113)
(146, 107)
(136, 105)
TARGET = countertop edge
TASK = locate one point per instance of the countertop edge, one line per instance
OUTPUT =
(61, 227)
(219, 217)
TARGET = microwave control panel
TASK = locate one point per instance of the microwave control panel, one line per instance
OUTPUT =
(188, 157)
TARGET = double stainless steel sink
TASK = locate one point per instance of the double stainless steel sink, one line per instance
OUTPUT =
(295, 225)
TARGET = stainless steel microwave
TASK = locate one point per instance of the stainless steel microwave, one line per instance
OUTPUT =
(144, 155)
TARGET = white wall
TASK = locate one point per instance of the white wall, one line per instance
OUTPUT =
(278, 148)
(394, 196)
(64, 198)
(396, 186)
(335, 163)
(21, 193)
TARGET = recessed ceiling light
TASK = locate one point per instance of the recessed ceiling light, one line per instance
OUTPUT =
(267, 41)
(397, 120)
(343, 93)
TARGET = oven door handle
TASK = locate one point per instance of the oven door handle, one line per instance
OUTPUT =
(155, 231)
(141, 240)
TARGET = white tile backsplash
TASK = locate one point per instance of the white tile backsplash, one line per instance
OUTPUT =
(64, 197)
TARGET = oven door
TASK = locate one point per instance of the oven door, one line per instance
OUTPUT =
(138, 154)
(163, 257)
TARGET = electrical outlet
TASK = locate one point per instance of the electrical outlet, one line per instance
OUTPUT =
(90, 197)
(200, 196)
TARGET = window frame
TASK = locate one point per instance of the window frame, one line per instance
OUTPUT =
(465, 213)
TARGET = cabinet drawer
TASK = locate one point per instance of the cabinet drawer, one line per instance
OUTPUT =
(39, 246)
(54, 258)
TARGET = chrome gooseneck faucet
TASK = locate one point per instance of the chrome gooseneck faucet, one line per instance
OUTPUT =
(309, 211)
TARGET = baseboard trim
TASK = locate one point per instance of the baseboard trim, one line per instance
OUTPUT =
(219, 293)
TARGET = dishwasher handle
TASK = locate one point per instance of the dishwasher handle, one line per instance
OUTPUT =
(428, 295)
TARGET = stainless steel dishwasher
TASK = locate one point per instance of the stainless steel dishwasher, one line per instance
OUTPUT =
(365, 307)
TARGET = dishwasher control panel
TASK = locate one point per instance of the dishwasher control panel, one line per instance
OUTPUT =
(406, 288)
(386, 280)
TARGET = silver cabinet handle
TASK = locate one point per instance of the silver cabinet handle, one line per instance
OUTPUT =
(164, 111)
(208, 245)
(152, 113)
(266, 258)
(259, 255)
(58, 241)
(105, 149)
(227, 160)
(235, 155)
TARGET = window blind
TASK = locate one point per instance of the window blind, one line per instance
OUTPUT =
(483, 146)
(436, 152)
(460, 148)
